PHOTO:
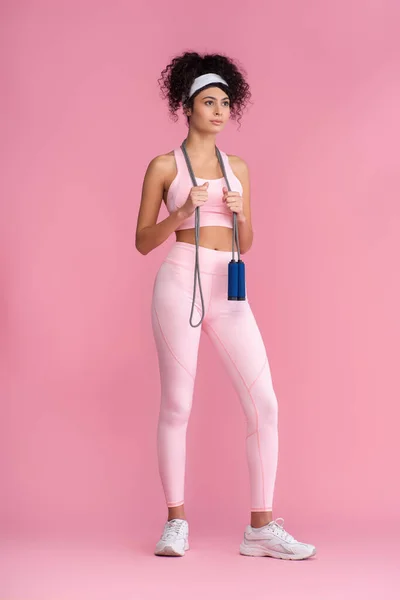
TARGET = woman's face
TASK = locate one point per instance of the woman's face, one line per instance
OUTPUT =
(211, 110)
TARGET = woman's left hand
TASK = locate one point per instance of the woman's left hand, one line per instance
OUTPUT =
(234, 202)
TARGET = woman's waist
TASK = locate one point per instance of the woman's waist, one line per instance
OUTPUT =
(211, 260)
(212, 237)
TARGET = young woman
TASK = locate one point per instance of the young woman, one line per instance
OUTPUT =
(211, 89)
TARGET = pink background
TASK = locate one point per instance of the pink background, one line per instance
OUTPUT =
(81, 119)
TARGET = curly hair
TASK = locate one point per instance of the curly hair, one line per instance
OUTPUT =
(177, 78)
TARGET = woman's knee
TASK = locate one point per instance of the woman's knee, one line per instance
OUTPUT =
(268, 406)
(262, 408)
(176, 408)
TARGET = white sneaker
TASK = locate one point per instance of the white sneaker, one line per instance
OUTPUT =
(174, 540)
(273, 540)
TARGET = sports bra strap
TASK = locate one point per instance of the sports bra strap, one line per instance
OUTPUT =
(231, 175)
(180, 161)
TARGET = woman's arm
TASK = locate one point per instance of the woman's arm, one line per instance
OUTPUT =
(149, 233)
(241, 170)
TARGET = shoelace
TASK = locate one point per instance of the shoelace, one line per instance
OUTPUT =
(277, 528)
(172, 529)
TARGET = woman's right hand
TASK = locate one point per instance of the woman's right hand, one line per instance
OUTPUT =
(198, 195)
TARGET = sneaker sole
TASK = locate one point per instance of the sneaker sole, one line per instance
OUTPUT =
(170, 551)
(255, 550)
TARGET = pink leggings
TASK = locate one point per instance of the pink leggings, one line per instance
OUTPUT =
(233, 331)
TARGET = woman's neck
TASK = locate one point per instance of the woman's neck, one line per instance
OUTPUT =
(200, 145)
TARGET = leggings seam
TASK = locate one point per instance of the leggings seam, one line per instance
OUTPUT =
(254, 382)
(259, 375)
(255, 409)
(168, 346)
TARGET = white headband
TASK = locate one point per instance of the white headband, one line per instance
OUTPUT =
(204, 80)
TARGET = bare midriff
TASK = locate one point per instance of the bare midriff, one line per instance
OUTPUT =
(216, 238)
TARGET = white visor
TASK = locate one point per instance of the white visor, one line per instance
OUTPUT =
(204, 80)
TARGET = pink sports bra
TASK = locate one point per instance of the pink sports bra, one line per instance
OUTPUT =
(214, 211)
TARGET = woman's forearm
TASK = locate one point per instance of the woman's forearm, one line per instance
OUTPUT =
(153, 236)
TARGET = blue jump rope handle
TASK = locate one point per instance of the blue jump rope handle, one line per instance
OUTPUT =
(241, 281)
(236, 280)
(233, 277)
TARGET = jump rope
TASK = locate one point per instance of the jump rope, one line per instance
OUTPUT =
(236, 268)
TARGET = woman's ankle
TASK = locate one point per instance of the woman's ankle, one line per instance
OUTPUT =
(260, 519)
(176, 512)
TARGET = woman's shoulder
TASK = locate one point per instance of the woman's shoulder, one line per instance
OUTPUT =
(162, 163)
(237, 160)
(238, 164)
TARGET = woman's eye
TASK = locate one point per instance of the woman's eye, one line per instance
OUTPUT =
(210, 102)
